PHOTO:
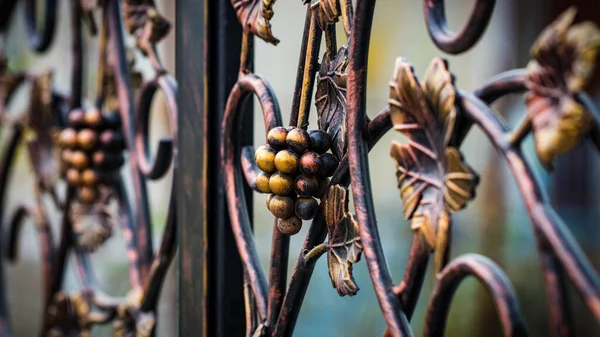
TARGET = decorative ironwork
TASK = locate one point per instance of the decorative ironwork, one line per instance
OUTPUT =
(84, 141)
(563, 60)
(433, 177)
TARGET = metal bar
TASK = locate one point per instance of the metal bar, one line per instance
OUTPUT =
(191, 159)
(211, 276)
(225, 298)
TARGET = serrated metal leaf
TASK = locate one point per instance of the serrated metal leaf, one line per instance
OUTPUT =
(432, 177)
(558, 126)
(568, 49)
(344, 247)
(563, 62)
(328, 11)
(330, 100)
(256, 14)
(460, 181)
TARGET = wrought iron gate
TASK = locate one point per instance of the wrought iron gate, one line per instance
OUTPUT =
(78, 143)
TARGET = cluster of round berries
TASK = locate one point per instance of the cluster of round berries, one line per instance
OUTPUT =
(92, 146)
(295, 165)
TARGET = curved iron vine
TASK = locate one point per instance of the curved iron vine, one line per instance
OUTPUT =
(84, 141)
(306, 173)
(294, 166)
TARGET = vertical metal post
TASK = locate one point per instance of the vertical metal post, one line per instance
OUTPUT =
(210, 270)
(226, 298)
(191, 160)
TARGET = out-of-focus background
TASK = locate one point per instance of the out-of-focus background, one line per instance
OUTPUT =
(495, 224)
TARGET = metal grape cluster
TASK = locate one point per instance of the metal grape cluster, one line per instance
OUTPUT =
(295, 168)
(92, 147)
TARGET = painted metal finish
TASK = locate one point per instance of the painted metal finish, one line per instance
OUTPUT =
(79, 144)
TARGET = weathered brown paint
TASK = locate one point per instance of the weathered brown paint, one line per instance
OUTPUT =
(214, 172)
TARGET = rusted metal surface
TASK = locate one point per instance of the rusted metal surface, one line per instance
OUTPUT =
(224, 309)
(303, 174)
(84, 141)
(433, 175)
(191, 182)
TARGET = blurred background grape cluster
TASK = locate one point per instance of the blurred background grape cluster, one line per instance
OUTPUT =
(495, 224)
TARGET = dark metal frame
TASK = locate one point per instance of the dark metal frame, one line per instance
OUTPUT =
(193, 133)
(223, 288)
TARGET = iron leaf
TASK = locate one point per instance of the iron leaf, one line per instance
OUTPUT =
(344, 247)
(330, 100)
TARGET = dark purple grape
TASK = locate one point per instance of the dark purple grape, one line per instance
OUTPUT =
(320, 141)
(306, 208)
(329, 164)
(306, 186)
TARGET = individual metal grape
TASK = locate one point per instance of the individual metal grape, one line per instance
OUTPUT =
(89, 178)
(73, 177)
(76, 118)
(320, 141)
(277, 137)
(281, 207)
(88, 195)
(306, 186)
(67, 138)
(93, 117)
(265, 159)
(107, 161)
(329, 164)
(289, 226)
(310, 163)
(281, 184)
(87, 139)
(262, 182)
(79, 160)
(112, 140)
(306, 208)
(286, 161)
(66, 156)
(298, 140)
